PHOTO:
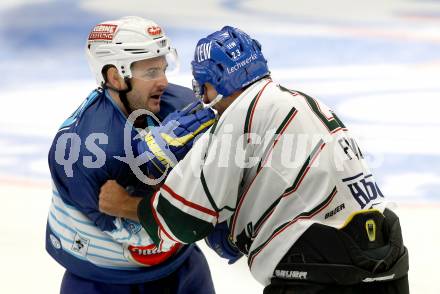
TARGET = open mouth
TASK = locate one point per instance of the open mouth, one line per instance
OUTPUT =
(155, 96)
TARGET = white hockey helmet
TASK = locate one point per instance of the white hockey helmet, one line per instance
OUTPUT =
(124, 41)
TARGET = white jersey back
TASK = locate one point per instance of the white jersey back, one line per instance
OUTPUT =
(276, 162)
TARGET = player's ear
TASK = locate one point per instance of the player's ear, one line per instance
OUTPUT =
(114, 79)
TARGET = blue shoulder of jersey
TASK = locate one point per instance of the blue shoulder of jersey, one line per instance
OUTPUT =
(94, 134)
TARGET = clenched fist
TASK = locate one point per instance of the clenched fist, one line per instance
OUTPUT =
(114, 200)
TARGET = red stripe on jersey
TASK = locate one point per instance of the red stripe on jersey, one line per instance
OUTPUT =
(329, 118)
(255, 106)
(258, 172)
(306, 171)
(264, 220)
(338, 129)
(296, 188)
(156, 218)
(189, 203)
(278, 138)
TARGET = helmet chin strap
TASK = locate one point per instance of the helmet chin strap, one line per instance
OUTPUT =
(214, 102)
(123, 96)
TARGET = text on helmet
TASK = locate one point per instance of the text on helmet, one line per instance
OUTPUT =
(103, 32)
(154, 31)
(203, 52)
(241, 64)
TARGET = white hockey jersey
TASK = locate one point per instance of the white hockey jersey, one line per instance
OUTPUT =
(276, 162)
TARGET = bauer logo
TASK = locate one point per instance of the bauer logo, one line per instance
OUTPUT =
(379, 279)
(103, 32)
(154, 31)
(291, 275)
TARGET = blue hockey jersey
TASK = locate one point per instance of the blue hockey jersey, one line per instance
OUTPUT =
(84, 154)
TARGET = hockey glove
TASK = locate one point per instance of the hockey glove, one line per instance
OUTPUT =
(220, 241)
(167, 144)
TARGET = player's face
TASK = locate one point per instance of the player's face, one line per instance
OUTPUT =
(210, 94)
(148, 84)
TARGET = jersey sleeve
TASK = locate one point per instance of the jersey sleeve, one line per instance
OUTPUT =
(187, 208)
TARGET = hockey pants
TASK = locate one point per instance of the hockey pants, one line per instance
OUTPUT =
(192, 277)
(366, 256)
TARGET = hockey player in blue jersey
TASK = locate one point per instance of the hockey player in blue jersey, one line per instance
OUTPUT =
(102, 253)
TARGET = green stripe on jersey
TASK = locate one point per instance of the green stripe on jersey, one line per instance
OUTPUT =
(304, 168)
(208, 194)
(332, 123)
(147, 220)
(248, 115)
(283, 124)
(305, 215)
(184, 226)
(286, 119)
(211, 135)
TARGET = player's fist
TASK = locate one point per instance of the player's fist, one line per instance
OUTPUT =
(114, 200)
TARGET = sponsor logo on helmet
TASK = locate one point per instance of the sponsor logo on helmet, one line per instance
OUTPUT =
(203, 52)
(241, 64)
(154, 31)
(103, 32)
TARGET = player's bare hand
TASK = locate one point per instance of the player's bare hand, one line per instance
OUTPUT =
(114, 200)
(111, 198)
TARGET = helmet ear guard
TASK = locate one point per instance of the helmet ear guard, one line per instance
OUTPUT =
(228, 59)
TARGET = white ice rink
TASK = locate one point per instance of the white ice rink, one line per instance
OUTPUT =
(376, 63)
(28, 269)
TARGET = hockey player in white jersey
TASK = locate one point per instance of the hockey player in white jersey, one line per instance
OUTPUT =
(287, 177)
